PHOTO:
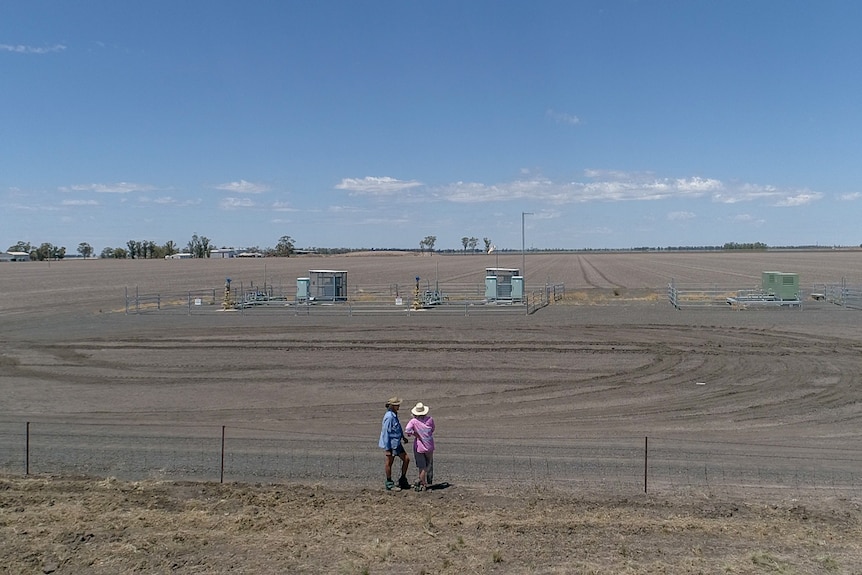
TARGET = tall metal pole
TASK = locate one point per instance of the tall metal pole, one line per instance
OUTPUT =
(523, 249)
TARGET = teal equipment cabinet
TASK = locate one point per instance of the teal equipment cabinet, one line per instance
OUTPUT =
(784, 286)
(517, 288)
(490, 288)
(302, 289)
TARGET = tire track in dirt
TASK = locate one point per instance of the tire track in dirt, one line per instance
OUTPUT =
(638, 376)
(590, 272)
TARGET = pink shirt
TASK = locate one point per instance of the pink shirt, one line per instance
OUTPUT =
(422, 428)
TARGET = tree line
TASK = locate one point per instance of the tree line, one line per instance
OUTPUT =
(197, 247)
(428, 243)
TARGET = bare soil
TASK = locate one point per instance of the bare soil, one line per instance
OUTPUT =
(612, 358)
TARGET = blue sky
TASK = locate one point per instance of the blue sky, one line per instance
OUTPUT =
(374, 124)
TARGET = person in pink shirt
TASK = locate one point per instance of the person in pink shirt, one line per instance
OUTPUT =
(421, 428)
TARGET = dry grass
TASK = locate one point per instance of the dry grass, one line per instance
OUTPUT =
(81, 526)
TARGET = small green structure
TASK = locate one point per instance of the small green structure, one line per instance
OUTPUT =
(784, 286)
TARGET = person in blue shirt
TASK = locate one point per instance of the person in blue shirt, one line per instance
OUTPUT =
(391, 438)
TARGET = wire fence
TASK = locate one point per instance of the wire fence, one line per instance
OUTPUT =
(625, 464)
(703, 296)
(839, 293)
(391, 299)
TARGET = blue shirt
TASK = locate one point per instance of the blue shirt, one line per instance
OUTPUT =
(391, 432)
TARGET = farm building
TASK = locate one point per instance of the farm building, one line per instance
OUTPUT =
(503, 284)
(179, 256)
(222, 253)
(327, 285)
(14, 257)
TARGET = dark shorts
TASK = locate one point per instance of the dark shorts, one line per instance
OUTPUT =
(423, 460)
(397, 451)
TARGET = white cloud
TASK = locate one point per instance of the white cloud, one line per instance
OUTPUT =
(610, 186)
(384, 221)
(371, 185)
(748, 219)
(746, 193)
(117, 188)
(79, 203)
(236, 203)
(347, 209)
(243, 187)
(563, 118)
(851, 197)
(598, 231)
(574, 192)
(22, 49)
(283, 207)
(170, 201)
(680, 216)
(799, 199)
(698, 185)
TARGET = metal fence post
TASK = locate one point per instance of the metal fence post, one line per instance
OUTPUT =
(646, 458)
(221, 472)
(27, 450)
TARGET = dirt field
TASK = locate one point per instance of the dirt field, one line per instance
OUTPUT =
(612, 360)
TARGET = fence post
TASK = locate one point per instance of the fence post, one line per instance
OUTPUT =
(27, 450)
(221, 472)
(646, 458)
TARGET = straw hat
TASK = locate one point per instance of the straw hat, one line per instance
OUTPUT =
(420, 409)
(394, 400)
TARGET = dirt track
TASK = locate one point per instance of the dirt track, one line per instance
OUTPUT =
(602, 365)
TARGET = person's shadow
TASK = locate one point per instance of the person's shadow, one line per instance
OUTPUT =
(436, 486)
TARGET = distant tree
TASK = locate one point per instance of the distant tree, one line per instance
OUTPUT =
(85, 249)
(487, 244)
(107, 252)
(428, 242)
(193, 244)
(156, 251)
(284, 247)
(120, 253)
(44, 252)
(170, 248)
(464, 241)
(199, 246)
(745, 246)
(21, 247)
(473, 242)
(48, 251)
